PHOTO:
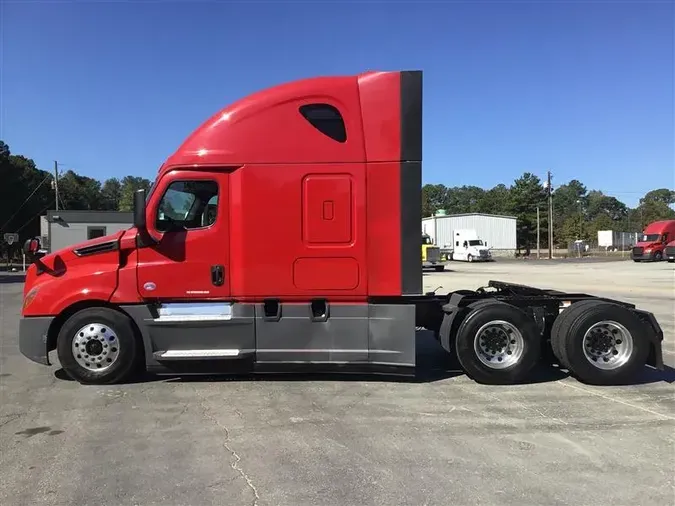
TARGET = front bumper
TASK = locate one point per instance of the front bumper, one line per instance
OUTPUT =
(669, 253)
(434, 264)
(644, 256)
(33, 338)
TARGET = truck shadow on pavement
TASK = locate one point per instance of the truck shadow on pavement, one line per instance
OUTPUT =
(433, 364)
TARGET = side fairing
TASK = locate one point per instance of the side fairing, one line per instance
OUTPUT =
(391, 105)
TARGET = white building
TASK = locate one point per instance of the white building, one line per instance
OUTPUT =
(62, 229)
(498, 231)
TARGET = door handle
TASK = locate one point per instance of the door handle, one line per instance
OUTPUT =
(217, 275)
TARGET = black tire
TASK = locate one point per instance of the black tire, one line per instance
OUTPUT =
(658, 256)
(558, 337)
(671, 261)
(469, 258)
(481, 313)
(635, 260)
(567, 339)
(439, 268)
(113, 325)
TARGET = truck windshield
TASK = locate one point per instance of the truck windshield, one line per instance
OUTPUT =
(650, 237)
(475, 242)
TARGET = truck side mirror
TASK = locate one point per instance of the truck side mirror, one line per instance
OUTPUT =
(31, 246)
(139, 209)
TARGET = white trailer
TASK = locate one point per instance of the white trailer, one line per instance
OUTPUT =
(469, 247)
(612, 240)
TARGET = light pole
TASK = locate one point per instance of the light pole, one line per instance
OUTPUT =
(538, 239)
(55, 185)
(549, 192)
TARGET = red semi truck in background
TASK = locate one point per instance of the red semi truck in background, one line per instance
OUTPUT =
(653, 241)
(332, 166)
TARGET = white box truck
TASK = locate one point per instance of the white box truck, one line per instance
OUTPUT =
(469, 247)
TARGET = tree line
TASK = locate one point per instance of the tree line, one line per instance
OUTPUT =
(26, 193)
(578, 213)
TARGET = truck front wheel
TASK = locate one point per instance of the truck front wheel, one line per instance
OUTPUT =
(98, 346)
(497, 343)
(599, 342)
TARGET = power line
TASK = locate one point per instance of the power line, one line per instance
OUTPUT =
(30, 220)
(24, 202)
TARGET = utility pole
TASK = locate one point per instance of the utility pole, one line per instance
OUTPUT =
(56, 183)
(549, 188)
(538, 240)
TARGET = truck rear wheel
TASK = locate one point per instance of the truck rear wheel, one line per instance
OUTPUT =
(98, 346)
(599, 342)
(497, 343)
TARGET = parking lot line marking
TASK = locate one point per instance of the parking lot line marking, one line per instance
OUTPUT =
(619, 401)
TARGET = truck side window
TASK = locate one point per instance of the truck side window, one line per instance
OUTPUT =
(188, 205)
(326, 119)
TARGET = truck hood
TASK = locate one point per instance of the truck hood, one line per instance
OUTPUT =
(640, 244)
(84, 271)
(81, 251)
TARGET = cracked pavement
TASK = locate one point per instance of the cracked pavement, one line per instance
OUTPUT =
(356, 441)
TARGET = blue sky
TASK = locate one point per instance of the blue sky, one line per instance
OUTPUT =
(583, 88)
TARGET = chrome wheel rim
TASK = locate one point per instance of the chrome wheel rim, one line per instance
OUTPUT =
(96, 347)
(608, 345)
(499, 344)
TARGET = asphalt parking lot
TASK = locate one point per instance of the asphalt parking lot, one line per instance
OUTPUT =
(355, 441)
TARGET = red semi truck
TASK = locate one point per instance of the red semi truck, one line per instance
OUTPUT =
(330, 168)
(653, 241)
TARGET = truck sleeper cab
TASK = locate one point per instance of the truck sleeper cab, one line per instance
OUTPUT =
(185, 290)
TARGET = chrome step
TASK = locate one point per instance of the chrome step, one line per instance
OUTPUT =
(201, 354)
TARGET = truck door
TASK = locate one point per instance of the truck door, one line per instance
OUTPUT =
(461, 248)
(188, 212)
